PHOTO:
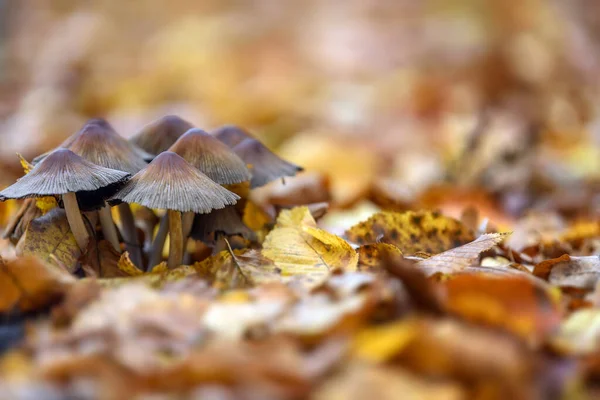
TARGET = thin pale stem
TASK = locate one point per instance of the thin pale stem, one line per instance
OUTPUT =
(132, 243)
(159, 242)
(75, 220)
(108, 227)
(175, 239)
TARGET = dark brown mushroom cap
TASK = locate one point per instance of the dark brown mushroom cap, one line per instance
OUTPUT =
(231, 134)
(226, 220)
(212, 157)
(63, 171)
(265, 165)
(169, 182)
(98, 142)
(159, 135)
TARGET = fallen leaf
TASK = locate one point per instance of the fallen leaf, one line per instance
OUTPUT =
(578, 272)
(28, 284)
(297, 247)
(542, 270)
(127, 266)
(461, 257)
(48, 236)
(579, 333)
(411, 231)
(370, 256)
(513, 303)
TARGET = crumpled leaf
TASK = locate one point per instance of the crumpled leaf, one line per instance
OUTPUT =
(297, 247)
(412, 231)
(28, 284)
(127, 266)
(461, 257)
(579, 272)
(370, 256)
(49, 237)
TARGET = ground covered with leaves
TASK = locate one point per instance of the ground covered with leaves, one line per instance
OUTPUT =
(442, 243)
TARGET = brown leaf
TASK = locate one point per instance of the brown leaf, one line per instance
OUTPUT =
(460, 257)
(412, 232)
(543, 269)
(579, 272)
(28, 284)
(50, 235)
(370, 256)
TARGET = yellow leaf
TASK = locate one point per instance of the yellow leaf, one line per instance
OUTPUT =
(50, 236)
(25, 164)
(45, 204)
(127, 266)
(255, 218)
(297, 247)
(460, 257)
(381, 343)
(370, 256)
(412, 232)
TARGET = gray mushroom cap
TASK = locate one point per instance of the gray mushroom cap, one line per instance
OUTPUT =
(99, 143)
(61, 172)
(231, 134)
(169, 182)
(212, 157)
(265, 165)
(159, 135)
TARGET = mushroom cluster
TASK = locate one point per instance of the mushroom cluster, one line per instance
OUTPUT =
(169, 165)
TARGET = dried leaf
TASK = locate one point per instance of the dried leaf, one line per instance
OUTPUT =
(50, 236)
(297, 247)
(370, 256)
(127, 266)
(412, 232)
(579, 272)
(461, 257)
(28, 284)
(513, 303)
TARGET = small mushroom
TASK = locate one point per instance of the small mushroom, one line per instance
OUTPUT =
(76, 180)
(99, 143)
(265, 165)
(159, 135)
(226, 221)
(171, 183)
(231, 134)
(212, 157)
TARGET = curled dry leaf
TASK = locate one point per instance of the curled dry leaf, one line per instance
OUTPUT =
(297, 247)
(411, 231)
(28, 284)
(578, 272)
(127, 266)
(461, 257)
(50, 236)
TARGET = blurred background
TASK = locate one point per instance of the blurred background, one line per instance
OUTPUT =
(389, 104)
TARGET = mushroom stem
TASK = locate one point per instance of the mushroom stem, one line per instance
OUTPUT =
(132, 243)
(108, 227)
(159, 242)
(75, 220)
(175, 239)
(187, 221)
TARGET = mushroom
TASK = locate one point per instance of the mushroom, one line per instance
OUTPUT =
(231, 134)
(213, 158)
(159, 135)
(226, 221)
(265, 165)
(75, 179)
(100, 144)
(171, 183)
